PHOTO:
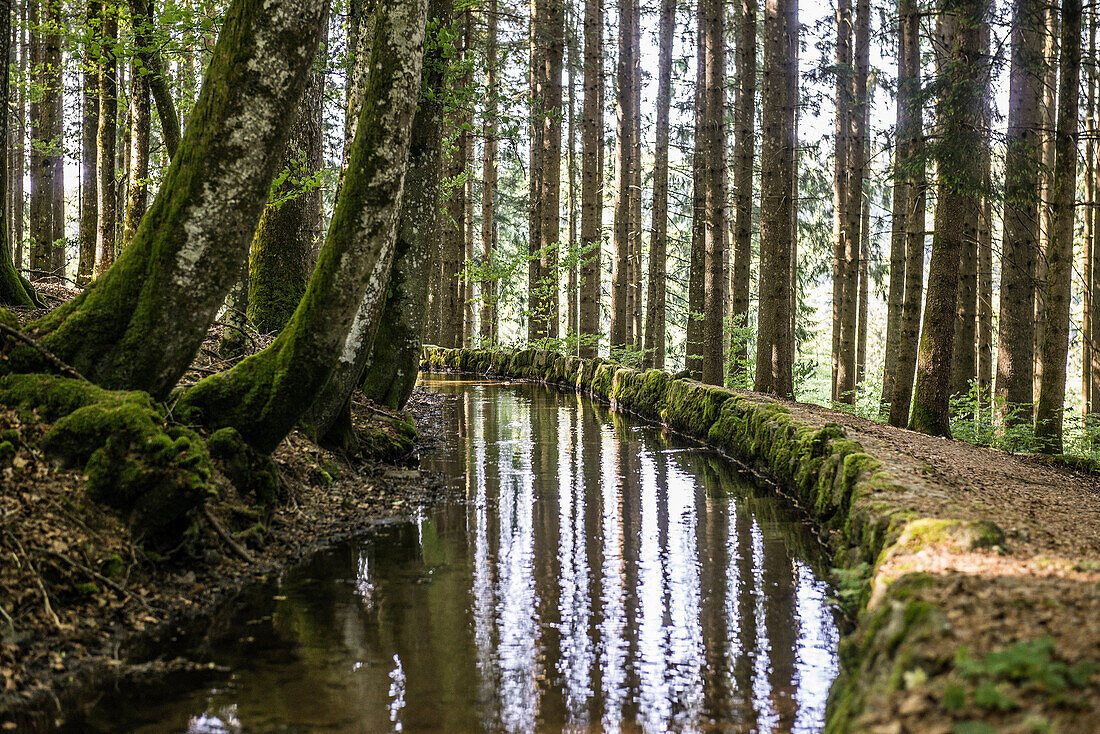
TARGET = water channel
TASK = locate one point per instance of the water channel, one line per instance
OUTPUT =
(601, 576)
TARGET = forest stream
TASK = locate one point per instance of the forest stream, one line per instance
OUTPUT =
(601, 575)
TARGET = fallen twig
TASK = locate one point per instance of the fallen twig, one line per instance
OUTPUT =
(224, 535)
(7, 618)
(38, 580)
(94, 574)
(50, 357)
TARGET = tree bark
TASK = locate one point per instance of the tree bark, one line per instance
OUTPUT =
(488, 317)
(536, 321)
(19, 151)
(1055, 348)
(864, 288)
(281, 256)
(1047, 124)
(624, 145)
(964, 75)
(41, 168)
(744, 147)
(137, 198)
(106, 139)
(910, 137)
(591, 180)
(775, 340)
(716, 189)
(453, 239)
(14, 290)
(1088, 398)
(553, 42)
(89, 177)
(842, 149)
(1020, 247)
(265, 395)
(658, 238)
(55, 94)
(573, 276)
(898, 217)
(693, 347)
(188, 249)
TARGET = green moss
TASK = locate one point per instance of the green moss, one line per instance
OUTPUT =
(967, 535)
(7, 451)
(246, 468)
(387, 443)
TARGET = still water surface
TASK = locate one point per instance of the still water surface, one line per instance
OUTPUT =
(601, 577)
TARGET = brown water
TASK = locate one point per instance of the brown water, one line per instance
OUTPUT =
(601, 577)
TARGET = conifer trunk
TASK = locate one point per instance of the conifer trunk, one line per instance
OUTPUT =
(189, 248)
(453, 240)
(551, 104)
(55, 94)
(591, 180)
(106, 139)
(536, 320)
(842, 149)
(137, 197)
(693, 348)
(89, 178)
(743, 153)
(621, 315)
(41, 169)
(779, 95)
(716, 188)
(1020, 247)
(19, 150)
(964, 74)
(1048, 109)
(658, 238)
(488, 318)
(1049, 412)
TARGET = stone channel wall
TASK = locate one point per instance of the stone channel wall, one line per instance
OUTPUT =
(848, 491)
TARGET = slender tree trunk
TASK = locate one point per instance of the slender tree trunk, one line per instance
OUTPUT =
(137, 199)
(190, 246)
(716, 189)
(454, 228)
(634, 278)
(624, 145)
(41, 169)
(1020, 248)
(488, 178)
(591, 180)
(658, 238)
(743, 153)
(153, 65)
(847, 369)
(1046, 177)
(550, 230)
(14, 290)
(693, 359)
(1093, 247)
(775, 340)
(573, 282)
(264, 396)
(105, 141)
(89, 178)
(964, 75)
(20, 150)
(1090, 204)
(864, 288)
(1055, 348)
(898, 221)
(56, 96)
(536, 319)
(911, 140)
(842, 149)
(281, 256)
(469, 156)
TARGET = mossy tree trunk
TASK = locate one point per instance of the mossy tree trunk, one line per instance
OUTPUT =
(137, 196)
(14, 290)
(264, 396)
(106, 140)
(143, 322)
(281, 258)
(964, 75)
(387, 372)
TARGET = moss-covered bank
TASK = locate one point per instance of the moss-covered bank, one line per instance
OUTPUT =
(882, 542)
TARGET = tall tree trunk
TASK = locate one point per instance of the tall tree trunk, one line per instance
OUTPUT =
(1020, 248)
(658, 238)
(281, 256)
(468, 157)
(744, 148)
(572, 283)
(20, 133)
(89, 178)
(985, 259)
(621, 316)
(1046, 185)
(41, 168)
(190, 246)
(454, 226)
(154, 67)
(716, 188)
(693, 348)
(14, 290)
(105, 141)
(1088, 399)
(852, 212)
(775, 340)
(864, 288)
(536, 319)
(899, 212)
(964, 77)
(910, 137)
(394, 360)
(591, 180)
(137, 198)
(1055, 348)
(634, 277)
(842, 149)
(264, 396)
(1094, 256)
(488, 178)
(56, 94)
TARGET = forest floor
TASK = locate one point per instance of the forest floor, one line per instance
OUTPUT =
(83, 606)
(1041, 582)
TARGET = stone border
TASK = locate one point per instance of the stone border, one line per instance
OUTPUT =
(847, 490)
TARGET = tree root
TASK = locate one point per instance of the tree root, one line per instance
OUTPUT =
(224, 535)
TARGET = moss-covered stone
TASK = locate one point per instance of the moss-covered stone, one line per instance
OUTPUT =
(248, 470)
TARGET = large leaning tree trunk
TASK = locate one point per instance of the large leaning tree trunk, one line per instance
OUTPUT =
(1055, 345)
(1020, 250)
(14, 289)
(386, 366)
(964, 75)
(146, 317)
(266, 395)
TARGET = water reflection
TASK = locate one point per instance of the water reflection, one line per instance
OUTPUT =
(599, 577)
